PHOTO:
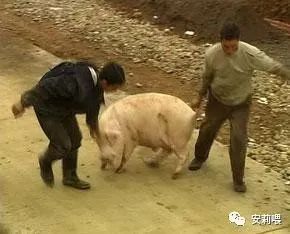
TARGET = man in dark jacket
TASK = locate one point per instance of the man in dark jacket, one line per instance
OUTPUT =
(66, 90)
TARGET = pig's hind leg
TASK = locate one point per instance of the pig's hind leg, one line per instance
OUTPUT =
(182, 156)
(155, 160)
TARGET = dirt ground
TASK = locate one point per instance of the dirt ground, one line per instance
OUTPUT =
(206, 17)
(279, 10)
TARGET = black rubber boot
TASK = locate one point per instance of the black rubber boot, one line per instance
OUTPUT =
(195, 165)
(240, 187)
(46, 173)
(70, 177)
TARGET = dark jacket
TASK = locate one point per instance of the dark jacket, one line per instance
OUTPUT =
(65, 90)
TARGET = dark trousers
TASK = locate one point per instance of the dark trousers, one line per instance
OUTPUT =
(215, 115)
(64, 140)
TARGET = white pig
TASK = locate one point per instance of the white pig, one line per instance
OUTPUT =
(159, 121)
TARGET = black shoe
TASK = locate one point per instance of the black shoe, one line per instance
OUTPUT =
(240, 187)
(75, 182)
(195, 165)
(46, 172)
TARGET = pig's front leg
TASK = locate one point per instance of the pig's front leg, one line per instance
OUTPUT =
(121, 169)
(127, 151)
(104, 164)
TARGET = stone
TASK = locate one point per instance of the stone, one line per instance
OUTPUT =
(137, 15)
(281, 147)
(137, 60)
(189, 33)
(139, 85)
(268, 170)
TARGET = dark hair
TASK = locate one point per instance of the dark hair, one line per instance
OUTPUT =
(113, 73)
(230, 31)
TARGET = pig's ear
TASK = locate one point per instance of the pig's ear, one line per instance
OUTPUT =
(112, 137)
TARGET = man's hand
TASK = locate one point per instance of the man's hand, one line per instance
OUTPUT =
(17, 109)
(93, 133)
(196, 103)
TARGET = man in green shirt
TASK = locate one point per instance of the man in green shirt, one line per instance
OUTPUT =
(227, 75)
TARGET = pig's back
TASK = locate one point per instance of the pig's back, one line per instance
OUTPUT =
(145, 108)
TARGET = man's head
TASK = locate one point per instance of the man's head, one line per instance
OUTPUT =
(112, 77)
(230, 36)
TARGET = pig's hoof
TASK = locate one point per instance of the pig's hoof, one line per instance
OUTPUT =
(175, 176)
(152, 164)
(120, 170)
(104, 164)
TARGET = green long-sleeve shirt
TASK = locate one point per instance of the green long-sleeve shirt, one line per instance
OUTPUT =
(229, 77)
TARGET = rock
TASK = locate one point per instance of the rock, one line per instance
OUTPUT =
(263, 100)
(208, 45)
(139, 85)
(189, 33)
(283, 157)
(254, 157)
(137, 15)
(137, 60)
(131, 74)
(268, 170)
(251, 140)
(169, 71)
(266, 156)
(276, 137)
(281, 147)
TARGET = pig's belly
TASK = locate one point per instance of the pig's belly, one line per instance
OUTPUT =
(151, 134)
